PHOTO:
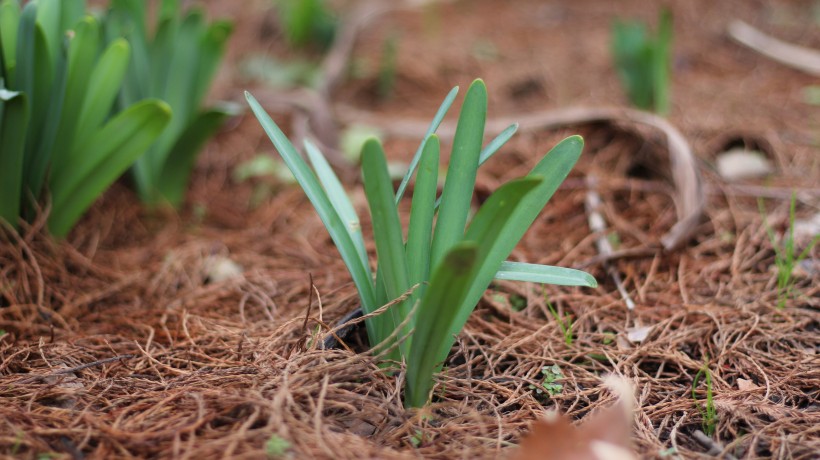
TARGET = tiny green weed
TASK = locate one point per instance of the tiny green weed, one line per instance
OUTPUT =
(551, 375)
(564, 323)
(708, 411)
(786, 257)
(307, 22)
(276, 446)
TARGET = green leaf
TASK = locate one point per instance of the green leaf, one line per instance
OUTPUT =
(333, 223)
(387, 230)
(339, 199)
(13, 124)
(660, 63)
(437, 119)
(173, 180)
(458, 187)
(422, 211)
(107, 154)
(211, 50)
(9, 21)
(83, 51)
(103, 85)
(440, 320)
(48, 17)
(498, 142)
(436, 312)
(552, 169)
(71, 12)
(536, 273)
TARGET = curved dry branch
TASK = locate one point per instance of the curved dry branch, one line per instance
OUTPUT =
(796, 57)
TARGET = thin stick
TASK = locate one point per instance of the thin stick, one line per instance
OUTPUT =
(598, 225)
(715, 448)
(796, 57)
(78, 368)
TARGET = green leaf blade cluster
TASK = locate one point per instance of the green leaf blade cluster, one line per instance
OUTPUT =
(66, 138)
(438, 274)
(177, 65)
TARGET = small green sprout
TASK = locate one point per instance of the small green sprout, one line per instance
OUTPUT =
(551, 375)
(565, 323)
(786, 257)
(708, 412)
(276, 446)
(643, 61)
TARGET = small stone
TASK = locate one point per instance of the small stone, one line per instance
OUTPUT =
(740, 164)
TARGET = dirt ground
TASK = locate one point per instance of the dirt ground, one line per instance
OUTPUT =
(121, 342)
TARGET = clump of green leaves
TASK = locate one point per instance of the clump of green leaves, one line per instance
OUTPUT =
(307, 22)
(643, 61)
(708, 411)
(552, 374)
(276, 446)
(176, 63)
(59, 127)
(786, 256)
(434, 277)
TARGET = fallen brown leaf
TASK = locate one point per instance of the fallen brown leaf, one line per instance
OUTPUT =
(604, 435)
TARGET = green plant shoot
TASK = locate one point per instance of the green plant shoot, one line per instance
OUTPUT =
(643, 61)
(437, 273)
(786, 256)
(177, 64)
(60, 129)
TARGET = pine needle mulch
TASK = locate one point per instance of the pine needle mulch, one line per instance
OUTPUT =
(123, 343)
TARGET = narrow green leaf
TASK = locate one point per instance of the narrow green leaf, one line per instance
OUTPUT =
(13, 124)
(48, 17)
(536, 273)
(169, 9)
(127, 19)
(178, 89)
(422, 211)
(448, 288)
(83, 51)
(48, 132)
(552, 169)
(103, 85)
(437, 119)
(34, 76)
(107, 154)
(162, 54)
(490, 149)
(211, 49)
(71, 12)
(339, 199)
(661, 62)
(386, 228)
(439, 322)
(9, 21)
(317, 196)
(458, 187)
(173, 180)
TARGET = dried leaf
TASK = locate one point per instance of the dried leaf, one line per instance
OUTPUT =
(604, 435)
(638, 334)
(746, 385)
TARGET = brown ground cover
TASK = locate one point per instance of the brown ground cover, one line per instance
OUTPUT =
(120, 343)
